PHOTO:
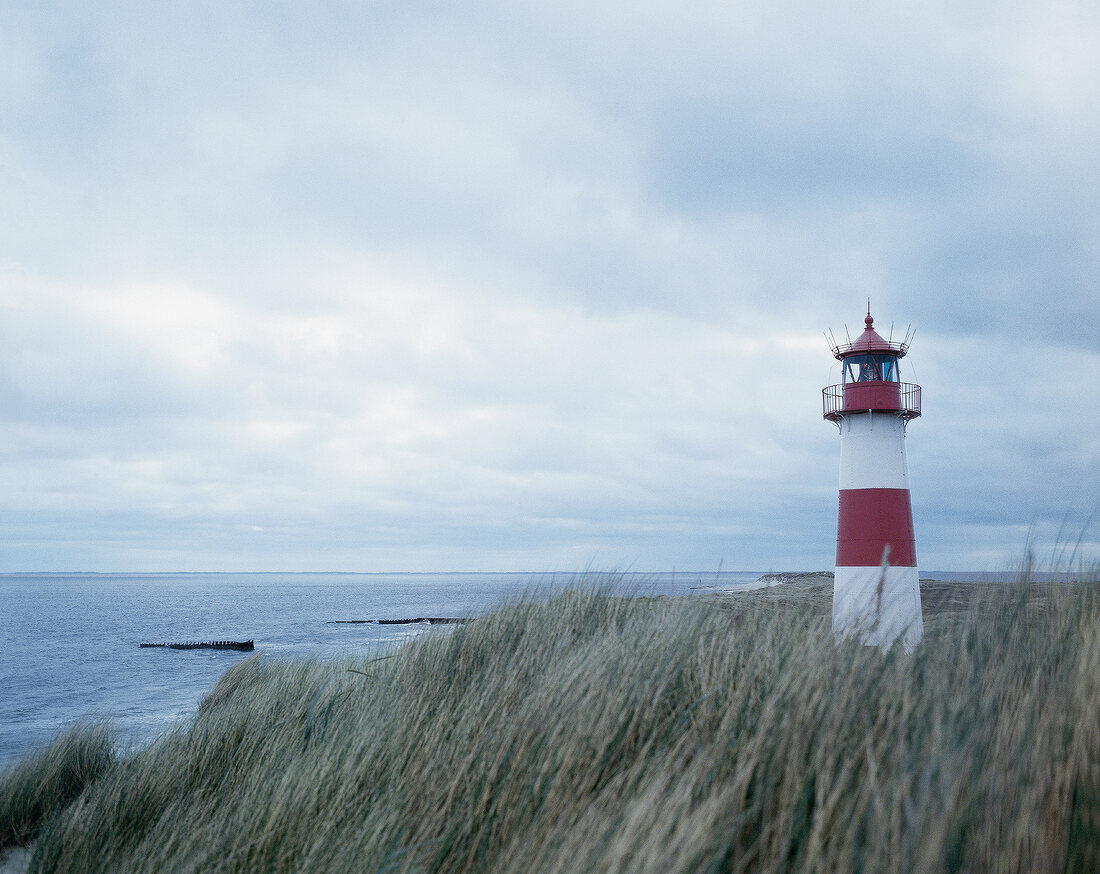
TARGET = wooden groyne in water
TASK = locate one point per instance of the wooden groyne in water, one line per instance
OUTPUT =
(239, 645)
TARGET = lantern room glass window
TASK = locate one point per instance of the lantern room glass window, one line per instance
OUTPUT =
(871, 368)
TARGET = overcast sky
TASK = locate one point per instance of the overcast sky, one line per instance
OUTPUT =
(387, 286)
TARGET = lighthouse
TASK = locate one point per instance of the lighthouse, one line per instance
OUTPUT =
(876, 590)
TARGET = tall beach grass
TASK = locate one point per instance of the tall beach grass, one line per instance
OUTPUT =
(598, 733)
(48, 781)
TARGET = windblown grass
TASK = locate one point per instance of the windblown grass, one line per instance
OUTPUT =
(597, 733)
(48, 781)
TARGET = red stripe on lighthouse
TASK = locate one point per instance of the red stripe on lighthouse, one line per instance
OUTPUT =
(887, 515)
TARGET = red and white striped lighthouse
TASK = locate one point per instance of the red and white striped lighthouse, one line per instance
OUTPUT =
(876, 590)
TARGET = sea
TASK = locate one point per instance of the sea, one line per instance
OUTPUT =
(70, 643)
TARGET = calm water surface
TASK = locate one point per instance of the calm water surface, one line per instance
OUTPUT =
(69, 642)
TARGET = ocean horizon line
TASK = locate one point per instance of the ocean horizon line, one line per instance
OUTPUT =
(390, 573)
(924, 574)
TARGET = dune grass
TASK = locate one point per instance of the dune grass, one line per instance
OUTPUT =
(46, 782)
(598, 733)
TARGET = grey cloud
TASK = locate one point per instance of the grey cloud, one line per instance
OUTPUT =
(733, 158)
(530, 287)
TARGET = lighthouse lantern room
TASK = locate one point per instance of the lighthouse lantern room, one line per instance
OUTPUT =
(876, 590)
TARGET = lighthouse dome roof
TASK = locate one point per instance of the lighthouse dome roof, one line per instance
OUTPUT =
(870, 341)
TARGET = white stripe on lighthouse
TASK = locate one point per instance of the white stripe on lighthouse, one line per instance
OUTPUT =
(880, 605)
(872, 451)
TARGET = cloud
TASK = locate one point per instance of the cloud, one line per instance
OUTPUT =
(400, 287)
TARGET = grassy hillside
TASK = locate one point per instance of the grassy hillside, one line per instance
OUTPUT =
(597, 733)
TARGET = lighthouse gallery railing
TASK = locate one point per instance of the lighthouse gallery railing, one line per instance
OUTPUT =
(832, 402)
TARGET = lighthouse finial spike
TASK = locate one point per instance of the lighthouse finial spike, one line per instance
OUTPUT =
(869, 322)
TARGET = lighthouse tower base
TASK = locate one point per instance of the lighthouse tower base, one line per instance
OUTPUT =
(881, 605)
